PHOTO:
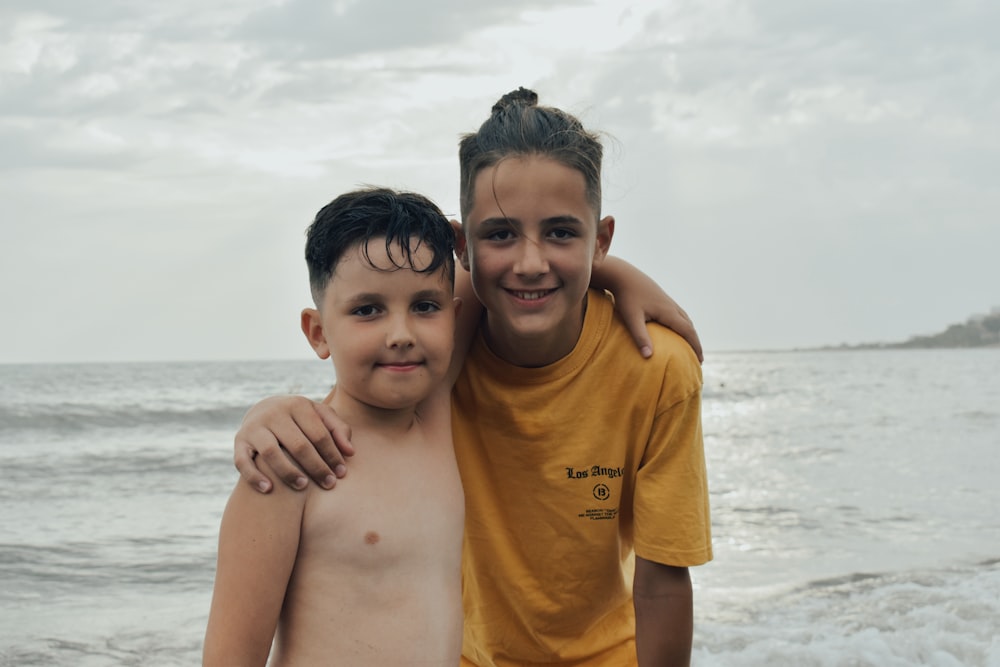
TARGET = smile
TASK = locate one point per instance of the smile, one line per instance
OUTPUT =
(533, 295)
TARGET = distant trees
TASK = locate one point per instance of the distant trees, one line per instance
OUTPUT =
(978, 331)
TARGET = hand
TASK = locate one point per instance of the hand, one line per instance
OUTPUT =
(651, 304)
(290, 430)
(638, 299)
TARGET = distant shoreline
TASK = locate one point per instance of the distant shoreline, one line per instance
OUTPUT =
(863, 347)
(979, 331)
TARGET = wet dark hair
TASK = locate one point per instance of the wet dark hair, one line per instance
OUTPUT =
(517, 126)
(355, 218)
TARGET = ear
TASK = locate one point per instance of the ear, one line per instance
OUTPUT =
(312, 327)
(605, 230)
(461, 246)
(458, 304)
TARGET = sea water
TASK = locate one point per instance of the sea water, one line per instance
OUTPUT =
(855, 502)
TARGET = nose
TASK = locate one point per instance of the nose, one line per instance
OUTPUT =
(399, 335)
(531, 260)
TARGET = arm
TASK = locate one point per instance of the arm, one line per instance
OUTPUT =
(639, 299)
(258, 535)
(311, 433)
(664, 623)
(672, 522)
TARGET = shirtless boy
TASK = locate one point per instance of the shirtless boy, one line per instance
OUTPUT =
(381, 268)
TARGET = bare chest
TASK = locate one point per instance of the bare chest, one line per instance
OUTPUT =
(397, 506)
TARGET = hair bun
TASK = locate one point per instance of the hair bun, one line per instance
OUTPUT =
(520, 97)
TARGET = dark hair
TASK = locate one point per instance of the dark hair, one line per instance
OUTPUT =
(518, 126)
(355, 218)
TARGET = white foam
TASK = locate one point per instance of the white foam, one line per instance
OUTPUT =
(942, 619)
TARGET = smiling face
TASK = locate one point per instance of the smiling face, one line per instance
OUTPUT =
(531, 242)
(390, 330)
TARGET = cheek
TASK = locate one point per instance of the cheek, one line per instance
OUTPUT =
(487, 264)
(583, 257)
(352, 348)
(441, 334)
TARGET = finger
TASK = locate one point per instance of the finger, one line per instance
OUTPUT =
(316, 421)
(298, 457)
(284, 467)
(338, 428)
(637, 329)
(244, 460)
(311, 444)
(687, 332)
(696, 346)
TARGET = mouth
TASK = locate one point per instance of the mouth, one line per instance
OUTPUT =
(530, 295)
(401, 366)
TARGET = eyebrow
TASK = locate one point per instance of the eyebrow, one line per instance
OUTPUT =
(364, 297)
(500, 221)
(367, 297)
(430, 294)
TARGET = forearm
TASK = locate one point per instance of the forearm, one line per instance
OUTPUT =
(664, 617)
(614, 274)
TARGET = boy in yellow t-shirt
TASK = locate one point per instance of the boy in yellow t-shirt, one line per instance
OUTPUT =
(574, 454)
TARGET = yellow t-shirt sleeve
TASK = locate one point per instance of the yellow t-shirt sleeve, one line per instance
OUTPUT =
(671, 522)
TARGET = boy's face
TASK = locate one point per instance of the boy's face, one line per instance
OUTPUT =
(390, 332)
(531, 242)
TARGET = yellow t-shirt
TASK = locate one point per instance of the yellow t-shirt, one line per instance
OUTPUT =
(566, 468)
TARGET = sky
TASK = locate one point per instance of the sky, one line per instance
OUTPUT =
(795, 173)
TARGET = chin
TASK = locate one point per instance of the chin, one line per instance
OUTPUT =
(403, 400)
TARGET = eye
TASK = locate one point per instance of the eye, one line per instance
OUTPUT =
(562, 233)
(500, 235)
(367, 310)
(426, 307)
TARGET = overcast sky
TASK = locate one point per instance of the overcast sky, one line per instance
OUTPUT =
(794, 172)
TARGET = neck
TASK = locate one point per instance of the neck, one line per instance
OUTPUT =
(526, 351)
(364, 416)
(533, 351)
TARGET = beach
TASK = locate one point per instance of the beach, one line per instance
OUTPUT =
(853, 503)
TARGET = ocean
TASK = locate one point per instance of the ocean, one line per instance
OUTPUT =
(855, 505)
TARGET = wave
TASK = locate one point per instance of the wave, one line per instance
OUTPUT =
(82, 568)
(925, 617)
(73, 418)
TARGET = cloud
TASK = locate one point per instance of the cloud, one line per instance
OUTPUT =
(831, 160)
(320, 29)
(835, 164)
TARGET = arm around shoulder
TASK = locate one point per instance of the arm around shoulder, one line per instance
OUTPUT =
(639, 299)
(311, 434)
